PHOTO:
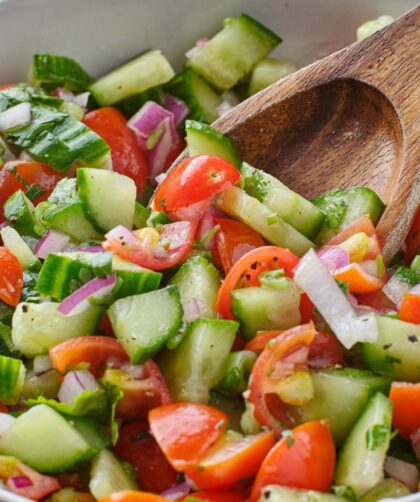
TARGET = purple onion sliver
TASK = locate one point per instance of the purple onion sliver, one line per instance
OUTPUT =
(334, 257)
(178, 107)
(156, 157)
(19, 482)
(96, 288)
(51, 242)
(177, 491)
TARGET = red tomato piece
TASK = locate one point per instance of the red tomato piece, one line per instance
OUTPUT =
(15, 174)
(216, 496)
(131, 496)
(376, 300)
(95, 350)
(405, 398)
(234, 240)
(11, 277)
(232, 459)
(3, 408)
(175, 242)
(185, 431)
(246, 270)
(193, 180)
(283, 356)
(127, 157)
(304, 459)
(143, 388)
(410, 308)
(139, 448)
(412, 242)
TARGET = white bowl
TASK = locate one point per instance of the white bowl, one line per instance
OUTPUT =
(101, 34)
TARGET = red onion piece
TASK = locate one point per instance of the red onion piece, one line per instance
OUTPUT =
(193, 309)
(176, 106)
(177, 491)
(415, 441)
(16, 116)
(6, 421)
(334, 257)
(122, 234)
(74, 384)
(51, 242)
(402, 471)
(395, 289)
(193, 212)
(137, 371)
(148, 119)
(79, 300)
(157, 156)
(17, 482)
(415, 290)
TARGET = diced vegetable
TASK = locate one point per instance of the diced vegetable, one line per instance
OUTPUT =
(269, 71)
(12, 375)
(19, 212)
(13, 241)
(368, 28)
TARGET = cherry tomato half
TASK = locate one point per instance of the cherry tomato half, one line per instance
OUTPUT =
(11, 277)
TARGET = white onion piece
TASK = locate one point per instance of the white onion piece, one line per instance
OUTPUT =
(69, 97)
(78, 301)
(402, 471)
(51, 242)
(176, 106)
(334, 257)
(122, 234)
(313, 277)
(223, 108)
(6, 421)
(42, 364)
(137, 371)
(160, 178)
(16, 116)
(74, 384)
(395, 289)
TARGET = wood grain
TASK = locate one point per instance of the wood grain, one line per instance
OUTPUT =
(349, 119)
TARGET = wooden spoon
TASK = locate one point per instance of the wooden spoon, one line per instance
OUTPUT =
(350, 119)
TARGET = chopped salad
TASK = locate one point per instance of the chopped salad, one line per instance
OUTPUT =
(202, 333)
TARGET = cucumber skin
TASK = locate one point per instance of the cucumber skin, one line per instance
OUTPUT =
(129, 106)
(277, 493)
(192, 89)
(396, 353)
(204, 139)
(369, 472)
(12, 374)
(19, 212)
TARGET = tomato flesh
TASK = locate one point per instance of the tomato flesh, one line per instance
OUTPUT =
(193, 180)
(11, 277)
(304, 459)
(139, 448)
(127, 157)
(185, 431)
(405, 398)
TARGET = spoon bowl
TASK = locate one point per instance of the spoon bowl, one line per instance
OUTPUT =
(347, 120)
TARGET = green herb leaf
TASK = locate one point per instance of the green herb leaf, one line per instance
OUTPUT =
(377, 436)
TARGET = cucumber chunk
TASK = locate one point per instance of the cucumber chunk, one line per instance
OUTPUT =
(266, 308)
(238, 204)
(388, 488)
(44, 440)
(36, 327)
(108, 198)
(12, 240)
(204, 139)
(396, 353)
(144, 323)
(141, 215)
(12, 377)
(361, 460)
(133, 279)
(63, 273)
(342, 207)
(58, 70)
(198, 281)
(233, 52)
(19, 212)
(200, 98)
(340, 396)
(289, 205)
(108, 476)
(199, 362)
(142, 73)
(277, 493)
(269, 71)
